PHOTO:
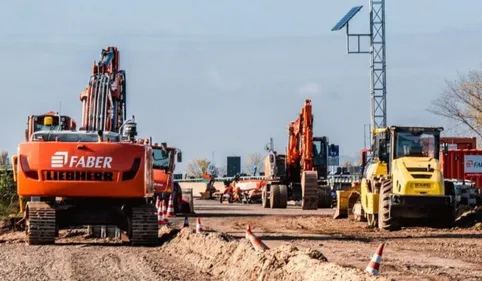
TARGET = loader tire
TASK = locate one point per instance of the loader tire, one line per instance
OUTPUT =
(445, 222)
(283, 198)
(264, 198)
(274, 197)
(446, 219)
(385, 222)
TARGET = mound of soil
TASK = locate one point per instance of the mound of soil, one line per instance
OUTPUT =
(222, 256)
(5, 226)
(471, 218)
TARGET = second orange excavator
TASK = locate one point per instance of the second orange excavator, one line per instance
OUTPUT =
(301, 174)
(164, 158)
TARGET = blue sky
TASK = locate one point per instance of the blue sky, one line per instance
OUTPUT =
(224, 76)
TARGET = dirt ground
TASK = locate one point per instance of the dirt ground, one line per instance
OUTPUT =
(417, 253)
(299, 241)
(75, 257)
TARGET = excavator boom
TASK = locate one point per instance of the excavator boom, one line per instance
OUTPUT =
(299, 155)
(104, 100)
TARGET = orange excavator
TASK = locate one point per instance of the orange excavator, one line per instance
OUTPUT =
(99, 175)
(301, 174)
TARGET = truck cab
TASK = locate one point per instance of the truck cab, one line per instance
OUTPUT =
(163, 165)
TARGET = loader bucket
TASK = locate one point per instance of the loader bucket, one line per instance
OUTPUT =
(355, 206)
(341, 204)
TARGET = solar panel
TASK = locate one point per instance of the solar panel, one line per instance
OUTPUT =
(351, 13)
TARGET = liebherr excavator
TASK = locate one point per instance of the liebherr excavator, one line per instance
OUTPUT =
(100, 175)
(301, 174)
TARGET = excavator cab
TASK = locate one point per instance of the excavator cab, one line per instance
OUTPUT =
(320, 156)
(50, 121)
(275, 166)
(164, 158)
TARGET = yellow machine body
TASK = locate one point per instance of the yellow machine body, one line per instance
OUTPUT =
(403, 181)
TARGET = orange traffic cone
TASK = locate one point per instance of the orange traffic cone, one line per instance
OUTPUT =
(374, 266)
(248, 230)
(164, 213)
(186, 222)
(199, 226)
(160, 217)
(170, 208)
(255, 241)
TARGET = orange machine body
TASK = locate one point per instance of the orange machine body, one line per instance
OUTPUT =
(163, 168)
(162, 181)
(90, 169)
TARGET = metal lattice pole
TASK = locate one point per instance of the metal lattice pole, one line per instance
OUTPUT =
(378, 74)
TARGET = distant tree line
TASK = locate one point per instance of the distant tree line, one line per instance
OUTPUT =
(461, 102)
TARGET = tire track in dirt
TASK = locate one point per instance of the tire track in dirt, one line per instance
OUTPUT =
(24, 263)
(92, 262)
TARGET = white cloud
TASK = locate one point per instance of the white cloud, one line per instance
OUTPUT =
(217, 80)
(310, 89)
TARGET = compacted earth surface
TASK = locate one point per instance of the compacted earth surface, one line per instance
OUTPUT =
(304, 245)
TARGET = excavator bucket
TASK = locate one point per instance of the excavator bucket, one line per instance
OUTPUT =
(309, 189)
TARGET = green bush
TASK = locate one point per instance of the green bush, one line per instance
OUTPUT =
(8, 193)
(8, 189)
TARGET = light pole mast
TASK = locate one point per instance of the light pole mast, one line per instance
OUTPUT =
(377, 51)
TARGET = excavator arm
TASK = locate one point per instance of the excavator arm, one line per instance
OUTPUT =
(104, 100)
(299, 154)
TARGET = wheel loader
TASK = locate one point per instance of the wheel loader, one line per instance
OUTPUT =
(402, 183)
